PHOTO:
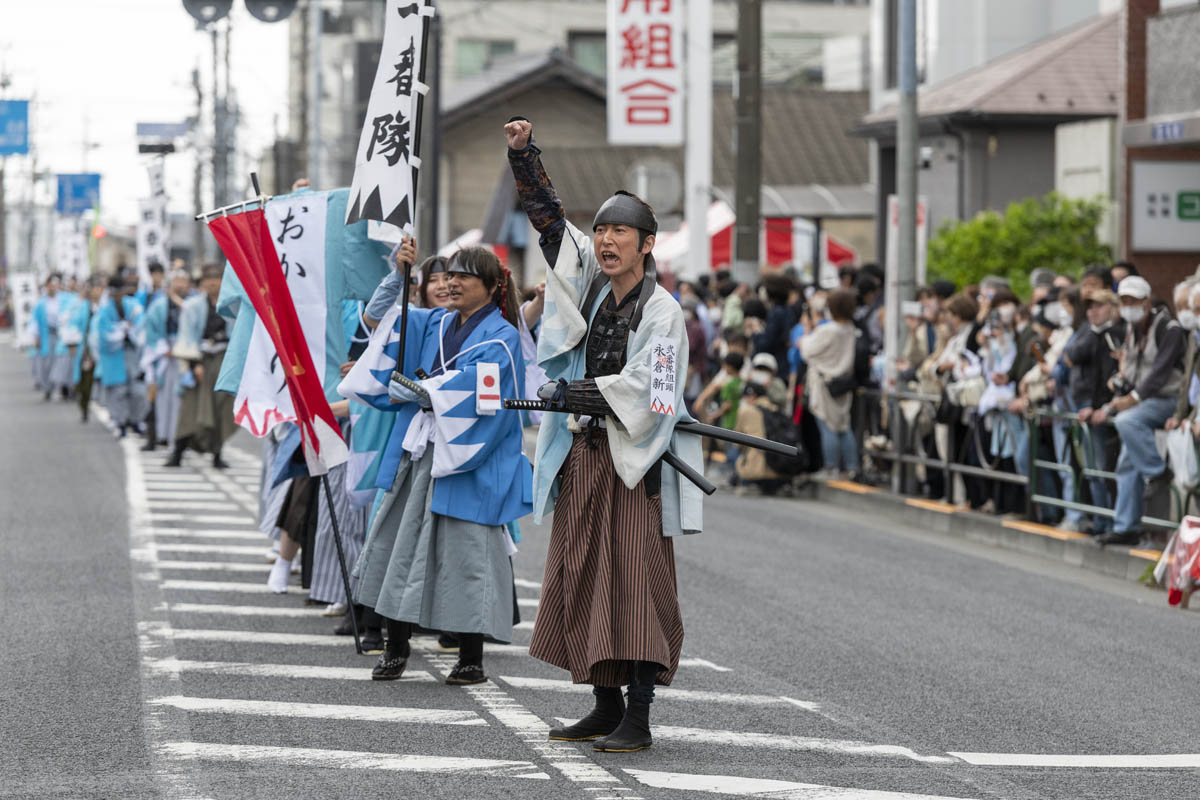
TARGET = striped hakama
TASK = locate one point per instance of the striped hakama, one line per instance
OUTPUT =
(271, 498)
(609, 594)
(327, 585)
(166, 401)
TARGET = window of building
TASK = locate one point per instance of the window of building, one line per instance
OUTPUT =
(471, 56)
(587, 49)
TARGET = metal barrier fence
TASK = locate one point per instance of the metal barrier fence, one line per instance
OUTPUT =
(908, 451)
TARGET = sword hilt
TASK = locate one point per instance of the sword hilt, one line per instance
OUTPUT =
(410, 384)
(526, 405)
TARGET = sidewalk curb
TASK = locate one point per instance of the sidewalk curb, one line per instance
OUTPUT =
(958, 522)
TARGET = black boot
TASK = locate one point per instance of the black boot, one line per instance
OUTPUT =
(633, 733)
(218, 462)
(176, 458)
(151, 439)
(604, 718)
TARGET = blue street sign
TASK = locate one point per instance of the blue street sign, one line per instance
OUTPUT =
(14, 127)
(78, 193)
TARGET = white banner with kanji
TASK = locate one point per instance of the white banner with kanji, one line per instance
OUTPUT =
(386, 162)
(71, 247)
(297, 226)
(645, 72)
(151, 236)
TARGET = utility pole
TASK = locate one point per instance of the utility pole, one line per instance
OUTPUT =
(197, 175)
(748, 141)
(220, 165)
(315, 24)
(902, 284)
(229, 106)
(698, 145)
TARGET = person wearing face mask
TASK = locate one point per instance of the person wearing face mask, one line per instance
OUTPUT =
(1187, 296)
(1092, 359)
(1146, 389)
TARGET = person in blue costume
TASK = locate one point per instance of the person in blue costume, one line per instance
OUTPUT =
(161, 369)
(52, 361)
(83, 353)
(440, 551)
(205, 414)
(118, 326)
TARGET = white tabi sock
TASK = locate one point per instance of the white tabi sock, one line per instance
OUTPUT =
(277, 581)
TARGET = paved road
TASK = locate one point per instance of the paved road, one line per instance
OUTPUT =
(829, 653)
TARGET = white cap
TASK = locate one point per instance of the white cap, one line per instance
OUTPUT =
(1134, 286)
(764, 361)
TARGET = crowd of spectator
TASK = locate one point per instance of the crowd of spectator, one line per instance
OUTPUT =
(1089, 370)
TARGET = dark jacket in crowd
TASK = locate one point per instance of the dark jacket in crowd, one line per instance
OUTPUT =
(1025, 359)
(775, 337)
(1092, 364)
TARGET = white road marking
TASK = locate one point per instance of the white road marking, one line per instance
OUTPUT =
(531, 729)
(183, 504)
(426, 645)
(207, 519)
(156, 495)
(217, 566)
(524, 584)
(350, 759)
(1162, 761)
(266, 708)
(218, 549)
(694, 662)
(256, 637)
(527, 625)
(309, 612)
(217, 586)
(772, 741)
(188, 533)
(546, 684)
(527, 602)
(290, 671)
(761, 787)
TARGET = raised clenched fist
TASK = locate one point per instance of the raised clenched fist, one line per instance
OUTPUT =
(519, 133)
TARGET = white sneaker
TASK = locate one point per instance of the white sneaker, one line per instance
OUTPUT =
(277, 581)
(334, 610)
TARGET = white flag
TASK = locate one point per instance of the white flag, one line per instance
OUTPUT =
(151, 237)
(297, 225)
(387, 162)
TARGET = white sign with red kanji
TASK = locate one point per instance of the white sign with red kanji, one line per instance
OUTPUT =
(645, 72)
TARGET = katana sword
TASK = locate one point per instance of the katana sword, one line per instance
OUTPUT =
(698, 428)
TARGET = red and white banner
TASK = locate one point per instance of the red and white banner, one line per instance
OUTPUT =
(297, 226)
(246, 241)
(645, 72)
(784, 240)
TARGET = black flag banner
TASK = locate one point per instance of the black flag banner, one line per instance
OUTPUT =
(389, 150)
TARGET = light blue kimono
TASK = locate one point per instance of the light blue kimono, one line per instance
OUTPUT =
(491, 484)
(642, 436)
(78, 326)
(112, 334)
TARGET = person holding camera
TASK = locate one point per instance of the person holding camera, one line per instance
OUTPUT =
(1145, 391)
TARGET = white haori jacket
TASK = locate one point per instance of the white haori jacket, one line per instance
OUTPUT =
(637, 436)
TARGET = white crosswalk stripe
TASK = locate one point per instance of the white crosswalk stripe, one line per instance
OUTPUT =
(245, 611)
(352, 759)
(287, 671)
(215, 586)
(763, 787)
(691, 695)
(267, 708)
(214, 549)
(216, 566)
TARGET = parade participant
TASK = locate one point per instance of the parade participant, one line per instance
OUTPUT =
(83, 356)
(438, 555)
(53, 362)
(205, 415)
(609, 612)
(160, 368)
(118, 326)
